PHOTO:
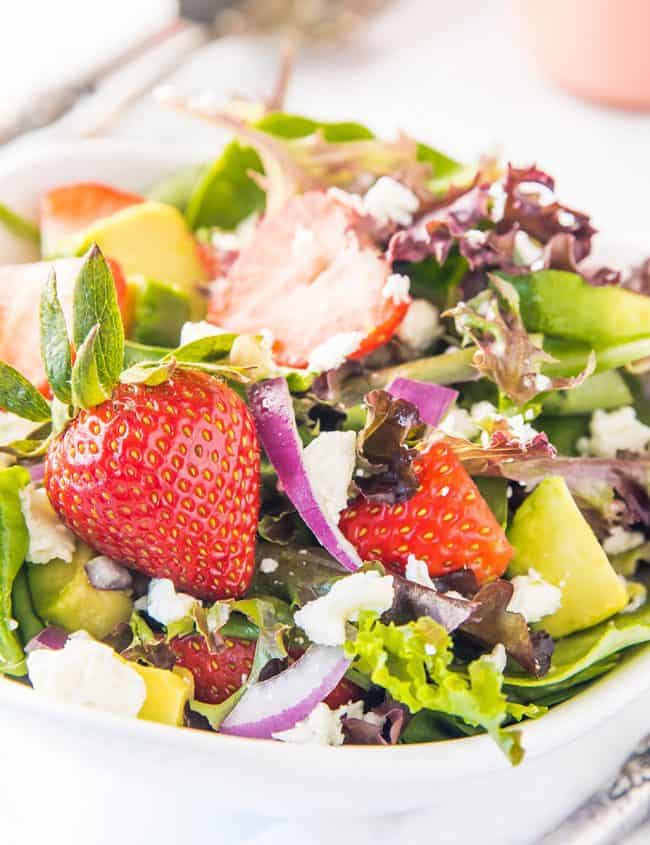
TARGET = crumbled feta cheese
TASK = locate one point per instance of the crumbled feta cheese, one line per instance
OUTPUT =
(527, 251)
(420, 326)
(418, 572)
(329, 462)
(164, 604)
(233, 241)
(334, 351)
(534, 597)
(483, 410)
(322, 726)
(268, 565)
(195, 331)
(397, 288)
(459, 423)
(89, 673)
(612, 431)
(498, 197)
(483, 413)
(388, 201)
(497, 657)
(48, 536)
(475, 237)
(621, 540)
(323, 620)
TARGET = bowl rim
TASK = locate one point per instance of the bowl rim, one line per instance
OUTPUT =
(451, 758)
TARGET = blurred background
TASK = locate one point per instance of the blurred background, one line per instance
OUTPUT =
(565, 83)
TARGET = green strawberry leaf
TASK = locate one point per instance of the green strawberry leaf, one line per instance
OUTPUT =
(87, 389)
(55, 343)
(95, 304)
(20, 396)
(136, 352)
(27, 448)
(18, 225)
(205, 350)
(150, 373)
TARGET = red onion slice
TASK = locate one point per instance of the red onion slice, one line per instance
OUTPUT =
(105, 574)
(272, 409)
(52, 638)
(36, 472)
(431, 400)
(278, 703)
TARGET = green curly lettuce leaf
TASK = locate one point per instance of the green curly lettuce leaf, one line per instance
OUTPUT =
(413, 663)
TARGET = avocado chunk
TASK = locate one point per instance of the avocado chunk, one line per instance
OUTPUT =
(62, 595)
(606, 391)
(148, 238)
(563, 304)
(158, 311)
(168, 691)
(550, 535)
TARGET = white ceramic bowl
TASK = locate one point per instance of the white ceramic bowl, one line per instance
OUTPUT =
(66, 769)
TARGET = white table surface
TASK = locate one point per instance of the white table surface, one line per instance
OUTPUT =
(455, 75)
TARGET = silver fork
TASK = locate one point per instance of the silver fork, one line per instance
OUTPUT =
(615, 811)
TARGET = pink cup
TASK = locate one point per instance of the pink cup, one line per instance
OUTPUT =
(598, 49)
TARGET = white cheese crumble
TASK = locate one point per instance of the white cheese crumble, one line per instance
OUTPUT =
(89, 673)
(497, 657)
(268, 565)
(388, 201)
(329, 463)
(333, 352)
(475, 237)
(323, 725)
(323, 620)
(621, 540)
(534, 597)
(420, 326)
(418, 572)
(459, 423)
(196, 331)
(498, 197)
(48, 536)
(612, 431)
(484, 413)
(397, 288)
(164, 604)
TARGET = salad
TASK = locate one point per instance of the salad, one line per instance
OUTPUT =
(334, 439)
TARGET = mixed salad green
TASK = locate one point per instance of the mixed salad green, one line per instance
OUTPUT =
(334, 439)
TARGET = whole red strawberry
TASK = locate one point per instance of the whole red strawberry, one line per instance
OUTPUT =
(447, 523)
(166, 480)
(216, 676)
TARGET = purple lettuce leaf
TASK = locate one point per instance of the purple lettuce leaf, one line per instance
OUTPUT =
(505, 352)
(386, 448)
(493, 623)
(392, 719)
(526, 189)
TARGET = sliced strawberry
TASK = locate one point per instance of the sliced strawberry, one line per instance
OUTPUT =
(309, 273)
(20, 292)
(447, 523)
(345, 692)
(216, 676)
(72, 208)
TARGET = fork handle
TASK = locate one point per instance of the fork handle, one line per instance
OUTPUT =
(614, 812)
